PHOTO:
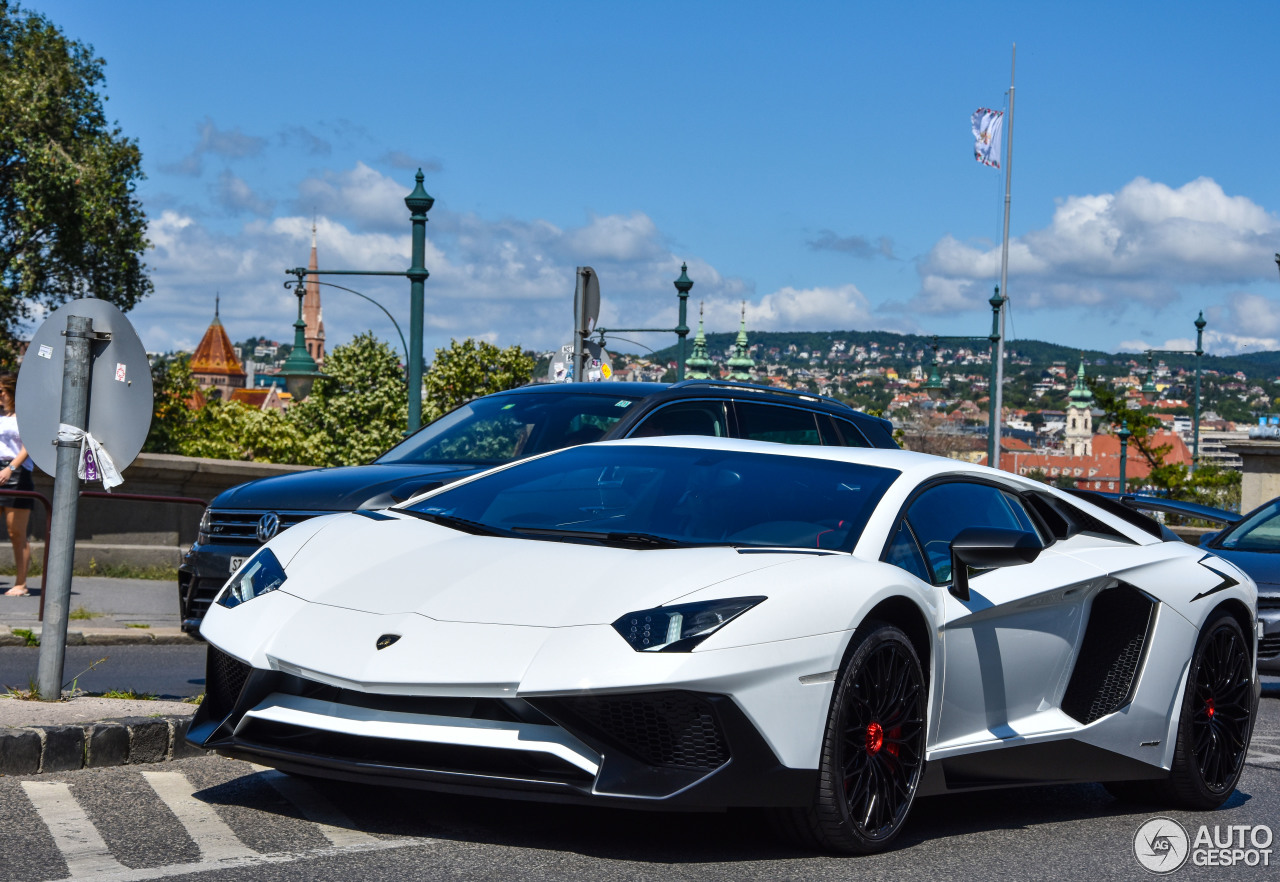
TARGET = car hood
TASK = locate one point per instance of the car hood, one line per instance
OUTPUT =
(1262, 566)
(341, 489)
(405, 565)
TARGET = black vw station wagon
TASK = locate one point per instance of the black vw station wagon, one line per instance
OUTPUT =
(500, 428)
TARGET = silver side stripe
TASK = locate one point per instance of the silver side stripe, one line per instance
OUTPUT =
(813, 679)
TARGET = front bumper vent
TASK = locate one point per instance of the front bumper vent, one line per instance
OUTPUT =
(224, 681)
(673, 729)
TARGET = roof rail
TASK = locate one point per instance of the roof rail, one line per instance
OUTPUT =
(730, 384)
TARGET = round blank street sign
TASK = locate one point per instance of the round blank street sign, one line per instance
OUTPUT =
(120, 395)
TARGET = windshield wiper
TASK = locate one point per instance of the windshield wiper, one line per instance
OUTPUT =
(645, 540)
(475, 528)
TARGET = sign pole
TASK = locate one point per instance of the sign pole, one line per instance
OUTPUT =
(66, 498)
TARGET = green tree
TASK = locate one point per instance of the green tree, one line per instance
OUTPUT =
(70, 223)
(358, 410)
(1207, 485)
(231, 430)
(469, 369)
(174, 388)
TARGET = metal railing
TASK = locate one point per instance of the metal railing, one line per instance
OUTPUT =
(92, 494)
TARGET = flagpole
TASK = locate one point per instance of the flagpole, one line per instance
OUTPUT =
(998, 391)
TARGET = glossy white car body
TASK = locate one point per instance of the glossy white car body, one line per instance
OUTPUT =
(483, 617)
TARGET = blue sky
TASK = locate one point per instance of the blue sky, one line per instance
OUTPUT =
(813, 159)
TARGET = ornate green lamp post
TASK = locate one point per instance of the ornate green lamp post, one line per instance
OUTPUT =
(419, 202)
(1195, 427)
(994, 417)
(1124, 434)
(300, 369)
(934, 386)
(684, 285)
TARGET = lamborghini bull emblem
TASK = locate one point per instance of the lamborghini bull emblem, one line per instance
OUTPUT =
(386, 640)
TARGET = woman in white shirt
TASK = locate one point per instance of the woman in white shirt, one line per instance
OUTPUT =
(15, 474)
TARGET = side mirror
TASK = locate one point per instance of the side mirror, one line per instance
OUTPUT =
(1208, 537)
(985, 548)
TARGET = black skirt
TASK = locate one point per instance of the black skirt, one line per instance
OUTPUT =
(19, 480)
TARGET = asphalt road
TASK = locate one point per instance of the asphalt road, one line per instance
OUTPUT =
(232, 822)
(164, 671)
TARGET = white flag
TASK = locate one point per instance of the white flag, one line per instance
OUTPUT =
(987, 128)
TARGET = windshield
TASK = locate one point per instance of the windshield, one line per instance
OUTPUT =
(1259, 532)
(499, 428)
(654, 497)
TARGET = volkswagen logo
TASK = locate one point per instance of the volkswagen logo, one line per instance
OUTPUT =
(268, 526)
(386, 640)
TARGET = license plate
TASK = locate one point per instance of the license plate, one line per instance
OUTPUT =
(237, 562)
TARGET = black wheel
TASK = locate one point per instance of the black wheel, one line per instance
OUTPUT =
(1214, 725)
(873, 748)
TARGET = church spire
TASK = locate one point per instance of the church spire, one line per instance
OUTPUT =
(1079, 432)
(698, 365)
(741, 363)
(311, 312)
(1080, 396)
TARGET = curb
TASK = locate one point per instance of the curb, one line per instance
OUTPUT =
(127, 741)
(104, 636)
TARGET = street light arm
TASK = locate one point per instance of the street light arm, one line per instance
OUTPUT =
(394, 323)
(624, 340)
(299, 271)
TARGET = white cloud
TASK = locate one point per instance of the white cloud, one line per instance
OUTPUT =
(369, 199)
(1109, 250)
(1247, 313)
(796, 309)
(227, 143)
(237, 196)
(1215, 343)
(507, 280)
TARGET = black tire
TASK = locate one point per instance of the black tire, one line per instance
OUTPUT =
(872, 749)
(1214, 725)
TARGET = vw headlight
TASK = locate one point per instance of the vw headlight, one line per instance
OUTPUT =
(260, 574)
(202, 532)
(681, 627)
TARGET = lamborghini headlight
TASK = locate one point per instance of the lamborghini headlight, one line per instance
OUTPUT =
(681, 627)
(260, 574)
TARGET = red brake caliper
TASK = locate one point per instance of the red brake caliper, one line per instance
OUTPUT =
(875, 738)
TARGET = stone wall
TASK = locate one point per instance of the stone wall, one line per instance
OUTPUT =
(1261, 481)
(144, 533)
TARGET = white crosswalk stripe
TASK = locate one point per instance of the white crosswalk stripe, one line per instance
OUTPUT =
(89, 859)
(76, 837)
(1264, 750)
(214, 838)
(327, 817)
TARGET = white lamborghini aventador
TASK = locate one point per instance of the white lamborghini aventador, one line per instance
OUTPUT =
(694, 622)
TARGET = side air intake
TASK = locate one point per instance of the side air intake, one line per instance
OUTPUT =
(1114, 643)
